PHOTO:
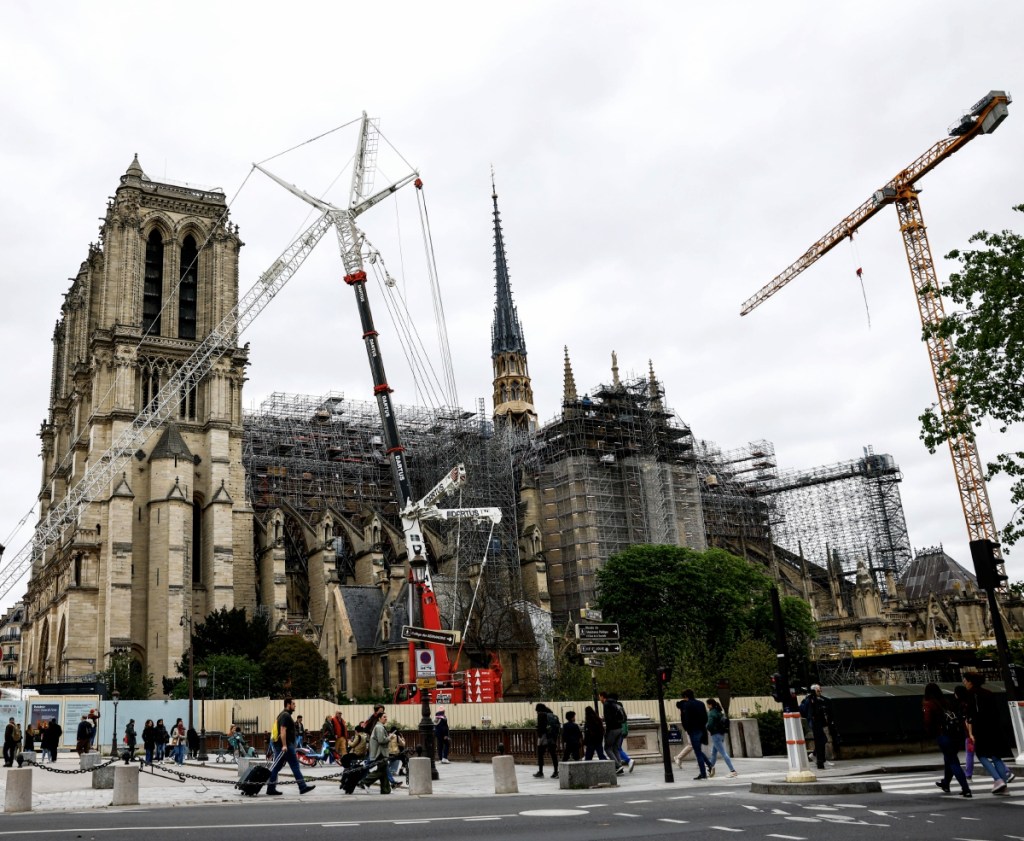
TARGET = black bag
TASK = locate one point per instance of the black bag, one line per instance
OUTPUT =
(255, 778)
(353, 777)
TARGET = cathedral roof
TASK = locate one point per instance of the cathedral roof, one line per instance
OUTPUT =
(506, 332)
(933, 571)
(363, 604)
(171, 445)
(135, 168)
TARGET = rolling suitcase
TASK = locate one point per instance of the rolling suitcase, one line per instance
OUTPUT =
(255, 778)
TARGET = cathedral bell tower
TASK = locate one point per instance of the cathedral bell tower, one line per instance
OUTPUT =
(513, 394)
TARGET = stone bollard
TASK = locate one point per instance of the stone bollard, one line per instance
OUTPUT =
(126, 785)
(419, 776)
(18, 797)
(88, 761)
(103, 778)
(30, 757)
(505, 781)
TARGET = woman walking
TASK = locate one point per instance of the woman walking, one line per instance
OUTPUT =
(944, 723)
(178, 742)
(984, 727)
(593, 735)
(149, 740)
(718, 726)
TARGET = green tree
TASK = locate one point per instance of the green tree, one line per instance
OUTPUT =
(748, 667)
(623, 674)
(292, 666)
(986, 339)
(230, 632)
(125, 674)
(236, 677)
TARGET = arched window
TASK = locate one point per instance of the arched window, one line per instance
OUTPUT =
(153, 290)
(187, 289)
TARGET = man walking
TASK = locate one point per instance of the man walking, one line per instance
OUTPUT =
(10, 745)
(378, 755)
(611, 712)
(286, 751)
(695, 722)
(817, 709)
(84, 736)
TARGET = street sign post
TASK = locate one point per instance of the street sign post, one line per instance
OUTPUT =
(608, 632)
(598, 648)
(591, 615)
(593, 662)
(448, 638)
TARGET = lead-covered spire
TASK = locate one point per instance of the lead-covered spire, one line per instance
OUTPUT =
(506, 332)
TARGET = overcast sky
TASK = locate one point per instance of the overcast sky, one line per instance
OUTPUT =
(657, 163)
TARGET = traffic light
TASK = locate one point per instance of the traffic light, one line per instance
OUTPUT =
(986, 564)
(777, 687)
(664, 674)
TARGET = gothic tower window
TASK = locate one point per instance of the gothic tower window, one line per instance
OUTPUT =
(187, 289)
(153, 290)
(187, 396)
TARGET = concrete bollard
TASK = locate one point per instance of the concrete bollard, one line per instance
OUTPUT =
(103, 778)
(30, 756)
(247, 762)
(88, 761)
(18, 796)
(419, 776)
(505, 781)
(126, 785)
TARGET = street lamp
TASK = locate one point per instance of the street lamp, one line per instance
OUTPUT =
(187, 620)
(418, 578)
(115, 697)
(202, 727)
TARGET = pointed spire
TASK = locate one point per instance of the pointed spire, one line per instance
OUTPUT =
(569, 388)
(506, 333)
(616, 382)
(135, 168)
(653, 389)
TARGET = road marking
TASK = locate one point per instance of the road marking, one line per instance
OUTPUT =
(593, 805)
(969, 819)
(803, 819)
(639, 801)
(338, 824)
(553, 813)
(671, 820)
(402, 823)
(786, 837)
(682, 797)
(821, 808)
(752, 808)
(625, 815)
(849, 806)
(468, 820)
(726, 828)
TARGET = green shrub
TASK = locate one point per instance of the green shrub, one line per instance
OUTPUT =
(772, 732)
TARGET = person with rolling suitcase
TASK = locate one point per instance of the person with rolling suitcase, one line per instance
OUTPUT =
(286, 753)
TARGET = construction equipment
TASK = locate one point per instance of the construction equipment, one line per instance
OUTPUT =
(984, 117)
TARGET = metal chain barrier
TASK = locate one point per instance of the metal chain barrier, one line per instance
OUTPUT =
(51, 770)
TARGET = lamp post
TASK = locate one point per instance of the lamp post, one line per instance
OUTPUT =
(187, 620)
(115, 697)
(202, 727)
(418, 578)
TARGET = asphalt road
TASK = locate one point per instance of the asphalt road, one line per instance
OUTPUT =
(906, 809)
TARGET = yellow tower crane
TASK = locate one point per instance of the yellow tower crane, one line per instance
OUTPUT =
(983, 118)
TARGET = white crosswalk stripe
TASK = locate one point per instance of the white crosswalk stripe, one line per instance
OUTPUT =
(922, 784)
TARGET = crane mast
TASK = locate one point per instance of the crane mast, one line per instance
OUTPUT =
(983, 118)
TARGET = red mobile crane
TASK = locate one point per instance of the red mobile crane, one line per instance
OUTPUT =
(428, 658)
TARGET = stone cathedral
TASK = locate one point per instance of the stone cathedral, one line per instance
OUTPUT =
(172, 538)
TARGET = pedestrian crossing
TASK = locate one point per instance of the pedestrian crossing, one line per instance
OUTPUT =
(925, 784)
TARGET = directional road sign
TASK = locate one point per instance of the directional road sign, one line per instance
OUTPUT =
(599, 648)
(593, 662)
(608, 632)
(591, 615)
(449, 638)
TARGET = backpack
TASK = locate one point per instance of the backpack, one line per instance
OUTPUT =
(723, 724)
(358, 744)
(554, 727)
(17, 733)
(275, 732)
(951, 724)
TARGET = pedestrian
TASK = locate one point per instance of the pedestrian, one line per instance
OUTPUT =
(192, 738)
(614, 717)
(396, 750)
(29, 742)
(53, 733)
(442, 735)
(339, 729)
(718, 727)
(162, 738)
(377, 757)
(286, 748)
(300, 732)
(10, 744)
(84, 736)
(149, 740)
(177, 742)
(944, 722)
(695, 721)
(572, 738)
(627, 762)
(593, 735)
(817, 709)
(130, 738)
(960, 693)
(548, 726)
(94, 716)
(990, 742)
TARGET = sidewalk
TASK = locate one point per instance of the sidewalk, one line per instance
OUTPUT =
(68, 791)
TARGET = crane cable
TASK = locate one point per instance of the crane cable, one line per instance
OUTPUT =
(859, 271)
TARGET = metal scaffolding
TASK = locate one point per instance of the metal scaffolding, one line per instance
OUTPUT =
(614, 469)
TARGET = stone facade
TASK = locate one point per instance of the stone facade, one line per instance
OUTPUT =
(172, 536)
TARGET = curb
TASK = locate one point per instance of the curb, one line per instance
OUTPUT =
(817, 788)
